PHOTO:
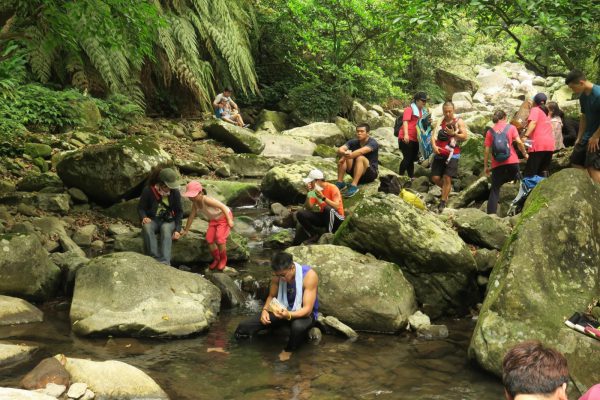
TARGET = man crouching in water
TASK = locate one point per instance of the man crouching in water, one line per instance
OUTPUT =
(294, 287)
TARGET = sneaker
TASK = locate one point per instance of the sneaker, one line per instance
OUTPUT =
(573, 320)
(352, 190)
(245, 126)
(441, 206)
(341, 185)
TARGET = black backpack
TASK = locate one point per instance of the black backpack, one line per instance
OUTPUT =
(389, 184)
(397, 125)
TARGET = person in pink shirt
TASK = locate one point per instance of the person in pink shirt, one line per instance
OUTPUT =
(407, 135)
(539, 138)
(592, 394)
(506, 170)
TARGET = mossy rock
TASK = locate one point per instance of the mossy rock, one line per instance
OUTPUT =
(89, 115)
(37, 150)
(241, 140)
(37, 182)
(325, 151)
(471, 155)
(279, 240)
(277, 118)
(248, 165)
(233, 193)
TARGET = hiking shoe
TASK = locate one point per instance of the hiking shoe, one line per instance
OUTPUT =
(245, 126)
(573, 320)
(441, 206)
(352, 190)
(341, 185)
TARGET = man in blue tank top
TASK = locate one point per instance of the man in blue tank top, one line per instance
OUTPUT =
(292, 301)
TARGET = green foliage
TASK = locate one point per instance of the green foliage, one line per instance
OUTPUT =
(119, 109)
(12, 71)
(317, 101)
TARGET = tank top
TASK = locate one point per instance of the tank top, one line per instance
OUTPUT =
(291, 292)
(209, 212)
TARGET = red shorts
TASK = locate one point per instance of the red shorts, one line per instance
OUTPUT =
(218, 230)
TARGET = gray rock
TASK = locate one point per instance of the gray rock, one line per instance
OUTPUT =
(51, 202)
(462, 96)
(359, 113)
(361, 291)
(97, 245)
(26, 210)
(15, 311)
(347, 127)
(36, 182)
(231, 294)
(278, 119)
(88, 395)
(37, 150)
(77, 195)
(52, 227)
(479, 190)
(233, 193)
(241, 140)
(344, 329)
(26, 269)
(131, 294)
(114, 380)
(315, 335)
(452, 83)
(279, 240)
(319, 133)
(248, 165)
(76, 390)
(107, 173)
(19, 394)
(194, 168)
(421, 184)
(433, 332)
(281, 147)
(119, 229)
(69, 263)
(11, 354)
(481, 229)
(431, 255)
(419, 321)
(549, 268)
(83, 236)
(387, 140)
(52, 389)
(485, 259)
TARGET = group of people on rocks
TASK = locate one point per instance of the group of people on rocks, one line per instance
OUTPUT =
(537, 142)
(294, 286)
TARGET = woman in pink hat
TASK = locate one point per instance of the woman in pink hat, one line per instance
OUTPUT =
(220, 222)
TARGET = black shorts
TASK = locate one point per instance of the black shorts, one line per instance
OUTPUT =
(538, 163)
(369, 176)
(439, 167)
(584, 158)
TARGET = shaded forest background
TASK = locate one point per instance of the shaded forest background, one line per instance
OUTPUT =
(169, 57)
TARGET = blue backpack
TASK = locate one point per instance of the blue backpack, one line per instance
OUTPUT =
(500, 144)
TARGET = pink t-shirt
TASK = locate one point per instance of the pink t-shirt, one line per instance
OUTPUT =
(542, 136)
(412, 124)
(592, 394)
(512, 135)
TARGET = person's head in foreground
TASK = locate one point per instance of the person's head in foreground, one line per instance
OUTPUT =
(531, 371)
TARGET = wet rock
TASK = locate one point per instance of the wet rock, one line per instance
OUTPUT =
(285, 218)
(18, 311)
(107, 173)
(241, 140)
(114, 380)
(76, 390)
(481, 229)
(433, 332)
(340, 327)
(133, 295)
(49, 370)
(479, 190)
(11, 354)
(549, 268)
(19, 394)
(431, 255)
(232, 193)
(279, 240)
(360, 290)
(69, 263)
(26, 269)
(315, 335)
(83, 236)
(37, 182)
(231, 294)
(419, 321)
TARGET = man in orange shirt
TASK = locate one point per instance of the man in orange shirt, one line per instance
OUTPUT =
(324, 208)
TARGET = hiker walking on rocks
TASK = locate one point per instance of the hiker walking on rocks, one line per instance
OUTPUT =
(292, 301)
(408, 141)
(539, 138)
(220, 222)
(505, 162)
(447, 134)
(586, 153)
(557, 119)
(360, 158)
(160, 211)
(324, 208)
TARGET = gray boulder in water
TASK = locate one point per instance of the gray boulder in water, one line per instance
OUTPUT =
(130, 294)
(361, 291)
(548, 269)
(431, 255)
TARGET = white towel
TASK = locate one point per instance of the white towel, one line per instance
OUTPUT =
(282, 292)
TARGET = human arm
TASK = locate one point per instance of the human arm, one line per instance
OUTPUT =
(145, 205)
(593, 142)
(190, 220)
(406, 117)
(309, 295)
(265, 319)
(486, 156)
(581, 128)
(521, 145)
(405, 131)
(233, 105)
(461, 133)
(341, 151)
(530, 128)
(333, 202)
(358, 152)
(434, 136)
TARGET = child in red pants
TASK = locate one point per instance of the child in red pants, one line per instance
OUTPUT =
(220, 222)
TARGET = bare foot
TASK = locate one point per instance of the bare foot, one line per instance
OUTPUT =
(284, 356)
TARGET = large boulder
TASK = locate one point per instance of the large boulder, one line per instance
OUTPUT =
(549, 268)
(51, 202)
(284, 183)
(51, 229)
(361, 291)
(432, 256)
(471, 155)
(478, 228)
(130, 294)
(477, 191)
(452, 83)
(281, 146)
(232, 193)
(191, 249)
(491, 82)
(35, 182)
(387, 140)
(26, 269)
(114, 379)
(359, 113)
(107, 173)
(241, 140)
(17, 311)
(20, 394)
(319, 133)
(277, 118)
(11, 354)
(248, 165)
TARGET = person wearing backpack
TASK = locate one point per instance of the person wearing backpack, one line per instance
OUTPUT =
(505, 162)
(446, 135)
(408, 141)
(539, 138)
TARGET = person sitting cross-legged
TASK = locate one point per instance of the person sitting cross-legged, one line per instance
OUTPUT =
(324, 208)
(360, 158)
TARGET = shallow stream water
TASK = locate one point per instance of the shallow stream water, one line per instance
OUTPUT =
(375, 366)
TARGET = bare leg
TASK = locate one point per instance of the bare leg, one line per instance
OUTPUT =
(594, 174)
(437, 180)
(446, 187)
(343, 164)
(359, 170)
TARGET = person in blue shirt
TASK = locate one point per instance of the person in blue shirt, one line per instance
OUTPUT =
(586, 153)
(360, 158)
(223, 111)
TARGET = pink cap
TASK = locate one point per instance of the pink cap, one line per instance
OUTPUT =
(192, 189)
(592, 394)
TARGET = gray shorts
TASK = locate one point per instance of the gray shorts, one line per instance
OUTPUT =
(584, 158)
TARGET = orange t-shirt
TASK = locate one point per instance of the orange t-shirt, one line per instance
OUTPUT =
(331, 192)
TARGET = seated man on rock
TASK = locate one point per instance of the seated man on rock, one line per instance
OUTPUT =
(223, 111)
(292, 301)
(160, 210)
(360, 158)
(531, 371)
(324, 208)
(225, 95)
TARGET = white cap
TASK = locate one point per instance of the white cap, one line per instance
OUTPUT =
(313, 176)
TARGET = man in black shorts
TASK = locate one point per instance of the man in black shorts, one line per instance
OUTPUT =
(586, 153)
(360, 158)
(445, 142)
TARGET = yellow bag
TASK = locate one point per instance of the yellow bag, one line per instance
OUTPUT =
(412, 198)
